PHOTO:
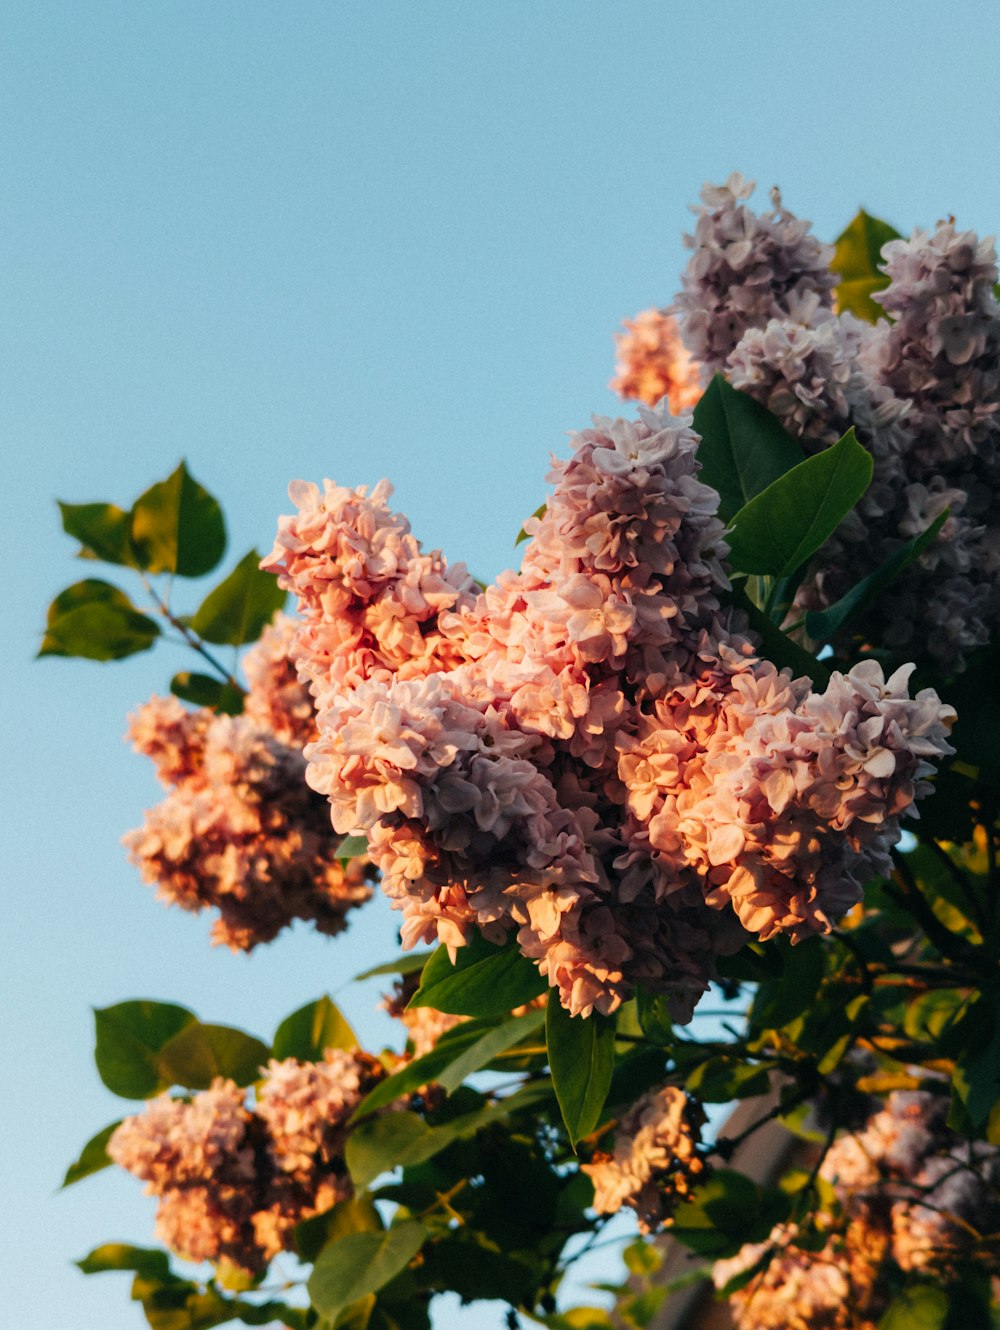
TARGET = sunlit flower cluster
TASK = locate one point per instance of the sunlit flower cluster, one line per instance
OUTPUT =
(921, 389)
(239, 830)
(655, 1162)
(912, 1198)
(590, 754)
(653, 363)
(232, 1178)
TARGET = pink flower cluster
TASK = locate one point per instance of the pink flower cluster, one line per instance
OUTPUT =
(240, 830)
(913, 1198)
(589, 754)
(233, 1180)
(653, 363)
(656, 1161)
(922, 390)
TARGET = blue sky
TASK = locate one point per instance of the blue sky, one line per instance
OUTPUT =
(351, 240)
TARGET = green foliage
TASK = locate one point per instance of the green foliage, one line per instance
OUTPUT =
(357, 1264)
(406, 963)
(856, 257)
(783, 526)
(743, 448)
(459, 1053)
(104, 531)
(144, 1047)
(205, 691)
(93, 1157)
(581, 1056)
(822, 625)
(922, 1307)
(95, 620)
(726, 1212)
(239, 609)
(485, 980)
(178, 527)
(308, 1032)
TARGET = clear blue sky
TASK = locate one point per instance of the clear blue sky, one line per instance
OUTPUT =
(347, 239)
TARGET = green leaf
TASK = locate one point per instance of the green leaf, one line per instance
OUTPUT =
(654, 1017)
(458, 1053)
(308, 1032)
(205, 691)
(726, 1212)
(103, 530)
(178, 527)
(362, 1263)
(352, 847)
(240, 607)
(743, 449)
(781, 1000)
(776, 645)
(582, 1061)
(93, 1157)
(197, 1054)
(129, 1038)
(781, 528)
(407, 963)
(522, 534)
(485, 980)
(96, 620)
(357, 1215)
(922, 1307)
(148, 1261)
(722, 1079)
(822, 625)
(856, 258)
(388, 1141)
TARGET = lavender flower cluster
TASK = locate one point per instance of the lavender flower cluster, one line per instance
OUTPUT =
(234, 1179)
(240, 830)
(912, 1198)
(590, 755)
(921, 388)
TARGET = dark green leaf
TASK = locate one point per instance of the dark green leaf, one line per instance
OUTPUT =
(96, 620)
(93, 1157)
(148, 1261)
(743, 449)
(178, 527)
(197, 1054)
(407, 963)
(726, 1212)
(776, 645)
(129, 1038)
(384, 1142)
(654, 1017)
(357, 1215)
(822, 625)
(485, 980)
(103, 530)
(240, 607)
(856, 258)
(308, 1032)
(923, 1307)
(781, 1000)
(753, 963)
(362, 1263)
(582, 1061)
(721, 1079)
(205, 691)
(458, 1053)
(783, 526)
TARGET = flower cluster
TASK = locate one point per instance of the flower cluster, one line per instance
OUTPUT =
(922, 391)
(746, 269)
(590, 754)
(912, 1198)
(653, 363)
(655, 1163)
(240, 830)
(233, 1180)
